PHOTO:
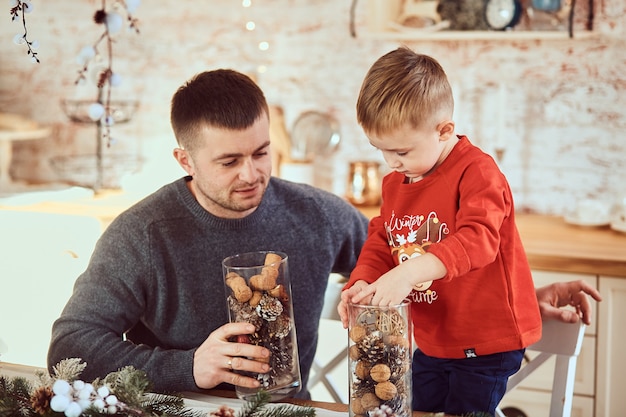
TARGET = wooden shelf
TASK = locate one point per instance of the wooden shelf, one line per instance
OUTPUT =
(476, 35)
(383, 23)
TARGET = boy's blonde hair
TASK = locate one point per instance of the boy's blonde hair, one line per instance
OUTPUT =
(403, 87)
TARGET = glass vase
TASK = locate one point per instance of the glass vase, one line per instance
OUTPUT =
(379, 360)
(258, 291)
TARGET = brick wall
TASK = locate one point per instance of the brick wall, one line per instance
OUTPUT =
(564, 100)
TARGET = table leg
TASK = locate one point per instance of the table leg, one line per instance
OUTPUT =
(6, 153)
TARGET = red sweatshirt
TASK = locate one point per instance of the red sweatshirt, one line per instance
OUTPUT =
(462, 213)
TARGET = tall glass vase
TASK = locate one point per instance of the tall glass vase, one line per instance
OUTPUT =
(380, 349)
(259, 292)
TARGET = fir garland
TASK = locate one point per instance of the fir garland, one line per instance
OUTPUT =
(123, 393)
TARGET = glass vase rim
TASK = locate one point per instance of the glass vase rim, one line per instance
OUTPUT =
(241, 255)
(402, 303)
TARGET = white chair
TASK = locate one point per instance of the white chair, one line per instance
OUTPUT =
(564, 341)
(322, 368)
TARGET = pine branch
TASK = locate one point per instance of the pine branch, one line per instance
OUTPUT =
(15, 397)
(129, 385)
(256, 407)
(254, 404)
(68, 369)
(168, 405)
(287, 411)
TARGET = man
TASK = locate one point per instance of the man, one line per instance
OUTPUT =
(155, 278)
(153, 294)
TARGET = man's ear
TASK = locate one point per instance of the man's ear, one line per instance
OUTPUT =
(184, 160)
(446, 130)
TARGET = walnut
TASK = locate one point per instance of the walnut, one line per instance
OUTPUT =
(380, 372)
(369, 401)
(396, 340)
(362, 370)
(357, 333)
(354, 352)
(355, 405)
(385, 390)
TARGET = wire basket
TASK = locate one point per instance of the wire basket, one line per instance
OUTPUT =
(83, 170)
(78, 110)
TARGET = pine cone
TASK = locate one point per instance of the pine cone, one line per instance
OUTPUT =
(269, 308)
(280, 327)
(281, 360)
(399, 361)
(40, 400)
(399, 405)
(244, 313)
(373, 348)
(223, 411)
(361, 387)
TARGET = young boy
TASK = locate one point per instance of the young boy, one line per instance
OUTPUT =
(445, 238)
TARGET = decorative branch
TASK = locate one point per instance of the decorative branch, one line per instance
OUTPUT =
(18, 8)
(571, 19)
(352, 18)
(102, 111)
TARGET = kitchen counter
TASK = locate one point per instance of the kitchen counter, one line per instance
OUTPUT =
(553, 245)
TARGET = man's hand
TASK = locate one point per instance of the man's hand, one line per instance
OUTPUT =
(560, 294)
(217, 357)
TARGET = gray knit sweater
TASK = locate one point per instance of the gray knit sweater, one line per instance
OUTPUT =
(156, 275)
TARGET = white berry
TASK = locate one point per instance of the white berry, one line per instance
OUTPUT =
(99, 404)
(113, 22)
(103, 391)
(73, 410)
(61, 387)
(59, 403)
(111, 400)
(96, 111)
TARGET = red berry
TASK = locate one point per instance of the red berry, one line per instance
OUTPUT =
(243, 338)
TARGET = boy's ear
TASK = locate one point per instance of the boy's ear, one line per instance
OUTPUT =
(446, 129)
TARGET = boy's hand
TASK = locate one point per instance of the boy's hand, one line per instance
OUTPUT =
(396, 284)
(346, 297)
(390, 289)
